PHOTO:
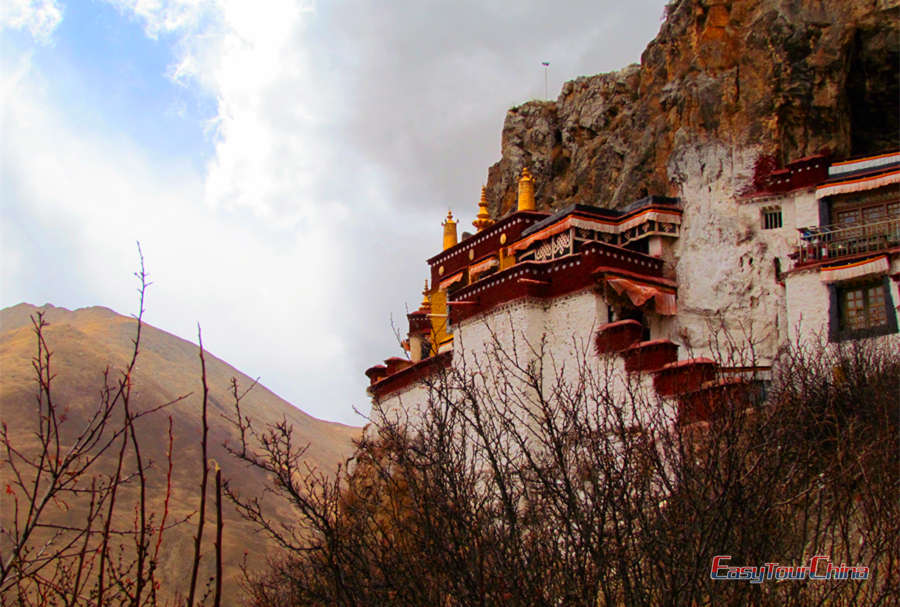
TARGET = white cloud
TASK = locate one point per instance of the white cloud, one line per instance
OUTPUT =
(74, 205)
(39, 17)
(253, 61)
(342, 133)
(162, 17)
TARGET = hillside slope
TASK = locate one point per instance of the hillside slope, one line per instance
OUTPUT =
(86, 341)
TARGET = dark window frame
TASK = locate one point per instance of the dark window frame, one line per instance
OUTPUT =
(836, 209)
(772, 218)
(836, 329)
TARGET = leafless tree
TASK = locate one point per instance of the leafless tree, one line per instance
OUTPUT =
(519, 481)
(68, 487)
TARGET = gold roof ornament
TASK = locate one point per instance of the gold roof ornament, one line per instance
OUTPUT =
(526, 191)
(449, 224)
(483, 219)
(426, 301)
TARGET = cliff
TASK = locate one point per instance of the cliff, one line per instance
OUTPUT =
(787, 78)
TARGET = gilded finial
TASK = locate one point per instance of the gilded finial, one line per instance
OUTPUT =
(526, 191)
(426, 302)
(483, 219)
(449, 224)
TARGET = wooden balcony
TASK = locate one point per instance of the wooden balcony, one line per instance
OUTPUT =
(833, 242)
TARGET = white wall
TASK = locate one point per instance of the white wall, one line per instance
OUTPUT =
(808, 305)
(403, 405)
(807, 210)
(724, 260)
(565, 324)
(515, 327)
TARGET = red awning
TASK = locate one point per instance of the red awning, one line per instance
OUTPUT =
(551, 230)
(483, 265)
(444, 284)
(640, 293)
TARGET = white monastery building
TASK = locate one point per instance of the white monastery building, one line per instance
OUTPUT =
(748, 254)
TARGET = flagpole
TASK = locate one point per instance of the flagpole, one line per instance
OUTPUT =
(546, 65)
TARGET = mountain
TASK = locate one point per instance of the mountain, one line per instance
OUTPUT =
(84, 342)
(788, 78)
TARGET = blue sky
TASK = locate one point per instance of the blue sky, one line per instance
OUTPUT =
(113, 76)
(285, 165)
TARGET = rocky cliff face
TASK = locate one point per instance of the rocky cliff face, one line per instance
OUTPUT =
(787, 78)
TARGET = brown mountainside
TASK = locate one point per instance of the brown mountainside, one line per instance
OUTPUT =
(84, 342)
(789, 77)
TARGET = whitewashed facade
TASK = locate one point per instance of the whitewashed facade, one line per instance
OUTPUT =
(684, 294)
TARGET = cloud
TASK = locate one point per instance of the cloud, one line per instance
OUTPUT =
(163, 17)
(38, 17)
(341, 133)
(254, 63)
(304, 91)
(76, 212)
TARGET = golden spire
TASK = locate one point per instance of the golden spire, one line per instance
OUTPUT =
(483, 219)
(426, 302)
(449, 231)
(526, 191)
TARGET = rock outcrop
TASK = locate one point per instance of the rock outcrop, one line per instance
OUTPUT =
(787, 77)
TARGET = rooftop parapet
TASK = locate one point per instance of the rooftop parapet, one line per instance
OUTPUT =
(596, 263)
(484, 243)
(651, 216)
(803, 173)
(384, 385)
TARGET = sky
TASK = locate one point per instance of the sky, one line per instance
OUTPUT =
(285, 165)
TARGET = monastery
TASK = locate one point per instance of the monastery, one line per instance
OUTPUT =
(748, 255)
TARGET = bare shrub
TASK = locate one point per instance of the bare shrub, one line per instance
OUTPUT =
(69, 487)
(522, 483)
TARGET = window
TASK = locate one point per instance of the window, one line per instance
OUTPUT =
(861, 309)
(771, 218)
(857, 213)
